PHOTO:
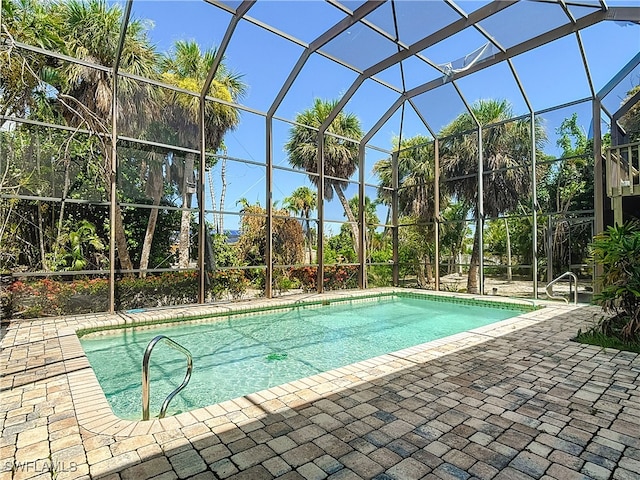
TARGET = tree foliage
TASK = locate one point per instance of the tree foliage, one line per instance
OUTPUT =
(416, 176)
(288, 238)
(565, 192)
(631, 120)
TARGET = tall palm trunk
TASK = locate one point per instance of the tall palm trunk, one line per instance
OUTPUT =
(121, 242)
(307, 222)
(425, 271)
(474, 264)
(509, 270)
(428, 268)
(212, 193)
(223, 193)
(155, 187)
(185, 222)
(350, 217)
(120, 237)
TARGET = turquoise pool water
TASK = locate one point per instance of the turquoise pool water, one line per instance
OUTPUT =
(239, 354)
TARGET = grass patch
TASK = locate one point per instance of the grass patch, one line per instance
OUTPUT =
(606, 341)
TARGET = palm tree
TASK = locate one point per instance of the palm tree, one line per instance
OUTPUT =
(416, 190)
(90, 31)
(187, 67)
(302, 202)
(371, 219)
(506, 160)
(340, 156)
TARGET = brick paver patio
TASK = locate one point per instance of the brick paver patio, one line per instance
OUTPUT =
(515, 400)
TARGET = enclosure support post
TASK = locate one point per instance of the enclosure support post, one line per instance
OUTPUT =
(598, 190)
(202, 230)
(362, 221)
(268, 282)
(320, 162)
(394, 217)
(112, 196)
(114, 159)
(534, 209)
(549, 248)
(436, 211)
(480, 223)
(534, 192)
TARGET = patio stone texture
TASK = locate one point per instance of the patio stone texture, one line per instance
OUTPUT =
(517, 400)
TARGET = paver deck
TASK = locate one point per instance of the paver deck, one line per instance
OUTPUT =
(513, 400)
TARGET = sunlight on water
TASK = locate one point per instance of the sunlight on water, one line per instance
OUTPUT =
(237, 355)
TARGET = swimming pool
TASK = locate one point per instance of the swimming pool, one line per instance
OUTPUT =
(238, 354)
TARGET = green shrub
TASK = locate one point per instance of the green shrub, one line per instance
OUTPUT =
(618, 251)
(380, 275)
(171, 288)
(228, 282)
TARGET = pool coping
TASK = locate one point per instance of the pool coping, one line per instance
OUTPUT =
(94, 413)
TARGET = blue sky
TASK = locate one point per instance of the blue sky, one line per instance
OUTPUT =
(551, 75)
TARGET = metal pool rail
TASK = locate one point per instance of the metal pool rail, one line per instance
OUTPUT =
(573, 277)
(145, 375)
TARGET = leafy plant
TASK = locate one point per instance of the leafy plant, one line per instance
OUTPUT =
(77, 243)
(605, 341)
(618, 251)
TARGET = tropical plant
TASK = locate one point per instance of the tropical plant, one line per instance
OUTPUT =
(303, 201)
(618, 251)
(340, 155)
(187, 67)
(81, 247)
(339, 248)
(506, 150)
(416, 194)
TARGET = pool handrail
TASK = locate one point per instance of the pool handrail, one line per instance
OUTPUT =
(145, 375)
(573, 277)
